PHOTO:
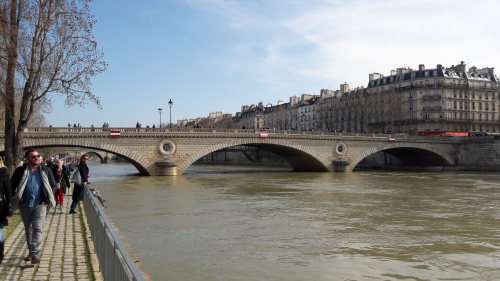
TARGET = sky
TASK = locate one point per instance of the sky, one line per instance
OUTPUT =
(217, 55)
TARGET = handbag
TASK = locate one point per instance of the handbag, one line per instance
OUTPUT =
(76, 178)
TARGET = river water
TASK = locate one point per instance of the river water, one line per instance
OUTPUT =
(268, 223)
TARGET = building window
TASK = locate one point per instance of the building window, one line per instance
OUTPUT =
(411, 95)
(435, 73)
(411, 117)
(427, 116)
(427, 74)
(473, 105)
(454, 94)
(480, 106)
(473, 94)
(427, 94)
(411, 105)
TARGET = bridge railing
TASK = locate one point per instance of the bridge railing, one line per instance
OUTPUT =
(114, 259)
(125, 131)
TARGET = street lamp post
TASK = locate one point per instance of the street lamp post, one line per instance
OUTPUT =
(170, 103)
(159, 111)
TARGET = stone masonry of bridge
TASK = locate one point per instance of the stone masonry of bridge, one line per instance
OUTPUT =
(171, 152)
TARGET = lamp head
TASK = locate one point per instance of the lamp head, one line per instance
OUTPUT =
(159, 110)
(170, 103)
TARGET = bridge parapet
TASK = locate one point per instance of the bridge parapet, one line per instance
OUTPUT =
(131, 131)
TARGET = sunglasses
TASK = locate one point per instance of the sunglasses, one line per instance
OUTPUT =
(35, 156)
(85, 158)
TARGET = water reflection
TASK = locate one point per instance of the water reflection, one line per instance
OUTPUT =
(223, 223)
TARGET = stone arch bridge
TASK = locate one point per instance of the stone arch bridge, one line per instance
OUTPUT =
(172, 151)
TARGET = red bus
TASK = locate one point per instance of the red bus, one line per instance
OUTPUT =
(458, 134)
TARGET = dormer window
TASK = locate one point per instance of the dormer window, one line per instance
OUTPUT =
(435, 73)
(373, 83)
(460, 74)
(427, 73)
(392, 79)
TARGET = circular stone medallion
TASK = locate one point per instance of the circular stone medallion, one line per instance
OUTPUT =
(166, 148)
(340, 149)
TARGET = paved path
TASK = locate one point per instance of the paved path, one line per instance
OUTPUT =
(63, 251)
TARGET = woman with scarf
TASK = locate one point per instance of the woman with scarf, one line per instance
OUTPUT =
(62, 181)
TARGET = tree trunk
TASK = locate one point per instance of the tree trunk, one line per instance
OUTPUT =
(10, 113)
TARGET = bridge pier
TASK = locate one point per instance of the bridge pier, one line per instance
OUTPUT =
(341, 166)
(105, 160)
(165, 168)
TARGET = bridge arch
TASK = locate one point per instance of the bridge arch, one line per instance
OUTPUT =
(95, 153)
(143, 165)
(300, 157)
(439, 157)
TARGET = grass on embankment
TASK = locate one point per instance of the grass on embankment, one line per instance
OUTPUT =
(13, 223)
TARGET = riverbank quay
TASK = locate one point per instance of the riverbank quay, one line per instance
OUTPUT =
(64, 254)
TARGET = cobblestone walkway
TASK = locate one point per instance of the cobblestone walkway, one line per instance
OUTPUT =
(62, 256)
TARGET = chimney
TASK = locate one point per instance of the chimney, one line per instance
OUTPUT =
(439, 66)
(421, 67)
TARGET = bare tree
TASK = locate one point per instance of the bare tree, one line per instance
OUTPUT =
(46, 47)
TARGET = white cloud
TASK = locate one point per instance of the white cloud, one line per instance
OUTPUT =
(346, 40)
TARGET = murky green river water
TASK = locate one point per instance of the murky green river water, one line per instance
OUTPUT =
(249, 223)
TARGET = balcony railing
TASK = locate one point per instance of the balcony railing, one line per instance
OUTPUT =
(438, 96)
(432, 108)
(444, 119)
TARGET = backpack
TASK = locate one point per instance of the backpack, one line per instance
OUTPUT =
(76, 178)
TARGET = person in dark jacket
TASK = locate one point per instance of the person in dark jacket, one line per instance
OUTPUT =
(62, 181)
(5, 203)
(33, 186)
(79, 189)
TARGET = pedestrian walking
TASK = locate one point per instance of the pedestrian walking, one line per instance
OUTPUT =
(50, 163)
(79, 189)
(62, 182)
(34, 188)
(5, 204)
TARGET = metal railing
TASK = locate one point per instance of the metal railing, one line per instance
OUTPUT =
(114, 259)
